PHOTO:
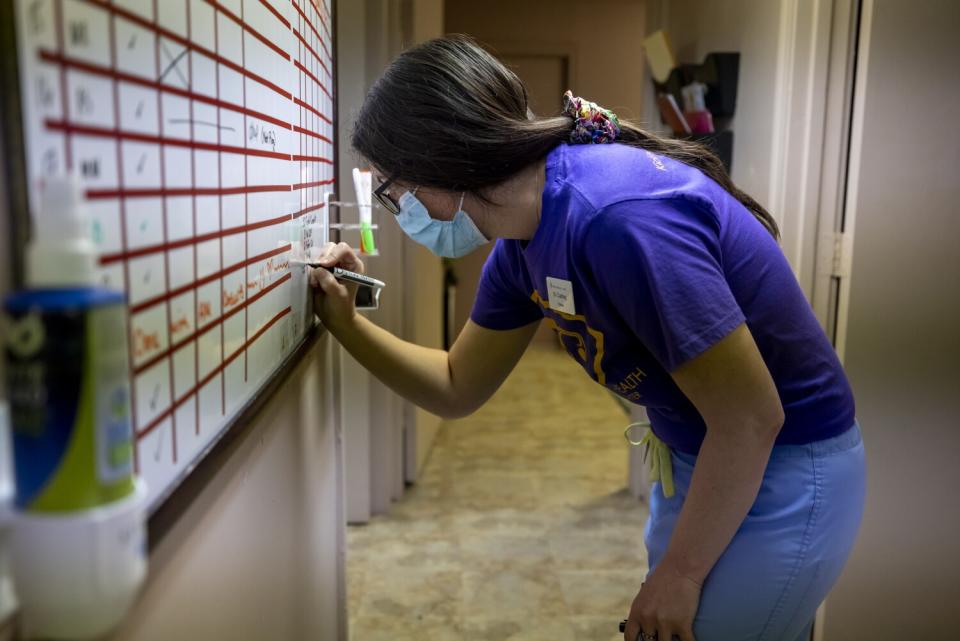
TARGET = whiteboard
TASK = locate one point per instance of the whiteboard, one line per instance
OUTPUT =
(203, 132)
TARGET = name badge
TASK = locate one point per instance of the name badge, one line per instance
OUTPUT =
(560, 295)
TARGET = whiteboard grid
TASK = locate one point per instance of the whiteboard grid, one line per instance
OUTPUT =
(203, 132)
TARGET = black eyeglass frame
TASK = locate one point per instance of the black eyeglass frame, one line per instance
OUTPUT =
(384, 198)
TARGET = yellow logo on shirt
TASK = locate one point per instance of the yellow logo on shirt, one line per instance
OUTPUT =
(582, 340)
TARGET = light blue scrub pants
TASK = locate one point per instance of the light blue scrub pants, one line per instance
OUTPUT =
(789, 550)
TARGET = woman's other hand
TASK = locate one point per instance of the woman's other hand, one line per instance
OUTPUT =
(333, 300)
(665, 607)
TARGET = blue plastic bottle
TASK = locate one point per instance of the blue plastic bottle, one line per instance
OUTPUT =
(67, 368)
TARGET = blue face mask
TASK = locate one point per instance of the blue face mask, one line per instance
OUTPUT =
(449, 238)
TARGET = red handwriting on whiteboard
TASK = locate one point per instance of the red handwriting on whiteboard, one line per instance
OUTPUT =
(204, 310)
(266, 273)
(145, 342)
(234, 297)
(178, 324)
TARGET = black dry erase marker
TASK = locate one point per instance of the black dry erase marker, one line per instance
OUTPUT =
(368, 294)
(353, 277)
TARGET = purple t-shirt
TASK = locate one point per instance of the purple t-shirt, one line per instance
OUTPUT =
(652, 263)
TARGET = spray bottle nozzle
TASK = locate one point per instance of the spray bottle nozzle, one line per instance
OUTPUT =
(61, 252)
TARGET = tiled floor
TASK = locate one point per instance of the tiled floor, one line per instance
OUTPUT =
(520, 526)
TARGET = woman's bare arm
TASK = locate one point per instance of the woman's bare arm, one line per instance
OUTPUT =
(450, 384)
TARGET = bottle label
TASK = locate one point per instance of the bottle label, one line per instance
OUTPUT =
(69, 400)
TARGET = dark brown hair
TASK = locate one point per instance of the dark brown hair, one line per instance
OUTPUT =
(448, 114)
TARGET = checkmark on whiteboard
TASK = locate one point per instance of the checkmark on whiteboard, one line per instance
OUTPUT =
(155, 398)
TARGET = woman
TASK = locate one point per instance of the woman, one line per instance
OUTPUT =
(666, 283)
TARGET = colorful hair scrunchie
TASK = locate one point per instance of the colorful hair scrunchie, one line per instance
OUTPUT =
(591, 122)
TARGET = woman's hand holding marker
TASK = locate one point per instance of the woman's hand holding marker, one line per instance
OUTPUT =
(333, 300)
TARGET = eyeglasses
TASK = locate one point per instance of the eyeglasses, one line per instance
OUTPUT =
(385, 199)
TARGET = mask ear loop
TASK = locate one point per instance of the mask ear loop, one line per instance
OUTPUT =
(463, 195)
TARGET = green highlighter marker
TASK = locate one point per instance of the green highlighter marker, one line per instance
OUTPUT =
(363, 185)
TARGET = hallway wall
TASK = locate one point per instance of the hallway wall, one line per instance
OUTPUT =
(259, 552)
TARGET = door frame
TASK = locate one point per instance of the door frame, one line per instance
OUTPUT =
(812, 101)
(813, 105)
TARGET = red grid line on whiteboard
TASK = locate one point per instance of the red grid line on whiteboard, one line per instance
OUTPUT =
(307, 210)
(271, 9)
(211, 375)
(98, 70)
(312, 158)
(311, 109)
(157, 192)
(315, 183)
(313, 134)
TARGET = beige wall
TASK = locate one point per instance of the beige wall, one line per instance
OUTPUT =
(258, 555)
